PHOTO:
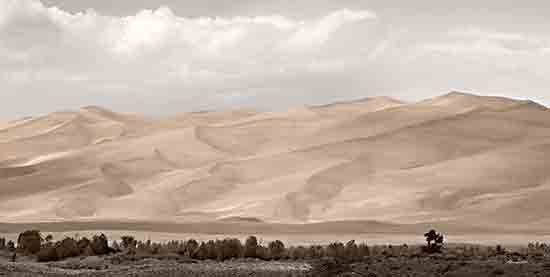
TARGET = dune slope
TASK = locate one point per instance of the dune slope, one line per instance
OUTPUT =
(464, 159)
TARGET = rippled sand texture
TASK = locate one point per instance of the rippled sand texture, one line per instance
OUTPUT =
(458, 158)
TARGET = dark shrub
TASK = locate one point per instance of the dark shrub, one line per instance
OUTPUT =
(229, 248)
(263, 253)
(351, 250)
(88, 251)
(83, 243)
(128, 242)
(250, 247)
(276, 249)
(29, 242)
(99, 245)
(67, 248)
(2, 243)
(145, 247)
(207, 251)
(329, 267)
(47, 254)
(191, 248)
(297, 253)
(336, 250)
(11, 245)
(435, 242)
(315, 251)
(364, 250)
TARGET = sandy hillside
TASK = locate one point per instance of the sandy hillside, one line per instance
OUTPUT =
(459, 158)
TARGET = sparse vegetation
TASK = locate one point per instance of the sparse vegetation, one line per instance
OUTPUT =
(334, 259)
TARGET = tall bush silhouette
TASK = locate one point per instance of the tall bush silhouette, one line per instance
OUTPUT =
(66, 248)
(250, 247)
(434, 241)
(276, 249)
(29, 242)
(100, 245)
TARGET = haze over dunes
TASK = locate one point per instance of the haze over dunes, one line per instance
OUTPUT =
(462, 159)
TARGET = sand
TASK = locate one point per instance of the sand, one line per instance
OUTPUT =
(473, 161)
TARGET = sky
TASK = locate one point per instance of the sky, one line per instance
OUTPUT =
(168, 56)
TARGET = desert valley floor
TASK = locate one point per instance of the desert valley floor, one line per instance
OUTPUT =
(467, 164)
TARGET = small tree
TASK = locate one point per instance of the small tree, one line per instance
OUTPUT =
(336, 250)
(100, 245)
(228, 248)
(67, 248)
(250, 247)
(2, 243)
(364, 250)
(276, 249)
(29, 242)
(191, 248)
(351, 250)
(435, 242)
(129, 244)
(47, 253)
(11, 245)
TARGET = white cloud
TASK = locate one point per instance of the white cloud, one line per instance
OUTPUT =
(158, 41)
(156, 54)
(479, 41)
(315, 33)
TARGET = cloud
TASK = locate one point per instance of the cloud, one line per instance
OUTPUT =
(309, 35)
(157, 57)
(40, 38)
(479, 41)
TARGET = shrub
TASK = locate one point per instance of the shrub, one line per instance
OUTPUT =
(336, 250)
(191, 248)
(11, 245)
(29, 242)
(297, 253)
(47, 254)
(315, 251)
(83, 243)
(229, 248)
(351, 251)
(250, 247)
(276, 249)
(207, 251)
(364, 250)
(435, 242)
(88, 251)
(2, 243)
(128, 242)
(99, 245)
(263, 253)
(67, 248)
(500, 250)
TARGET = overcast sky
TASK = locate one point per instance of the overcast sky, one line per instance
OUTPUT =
(166, 56)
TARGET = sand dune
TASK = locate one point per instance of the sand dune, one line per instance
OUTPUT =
(458, 159)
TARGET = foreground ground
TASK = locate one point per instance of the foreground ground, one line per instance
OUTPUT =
(435, 265)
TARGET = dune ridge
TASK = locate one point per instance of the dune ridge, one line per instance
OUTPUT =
(462, 158)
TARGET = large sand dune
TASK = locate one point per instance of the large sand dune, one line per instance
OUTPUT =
(458, 159)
